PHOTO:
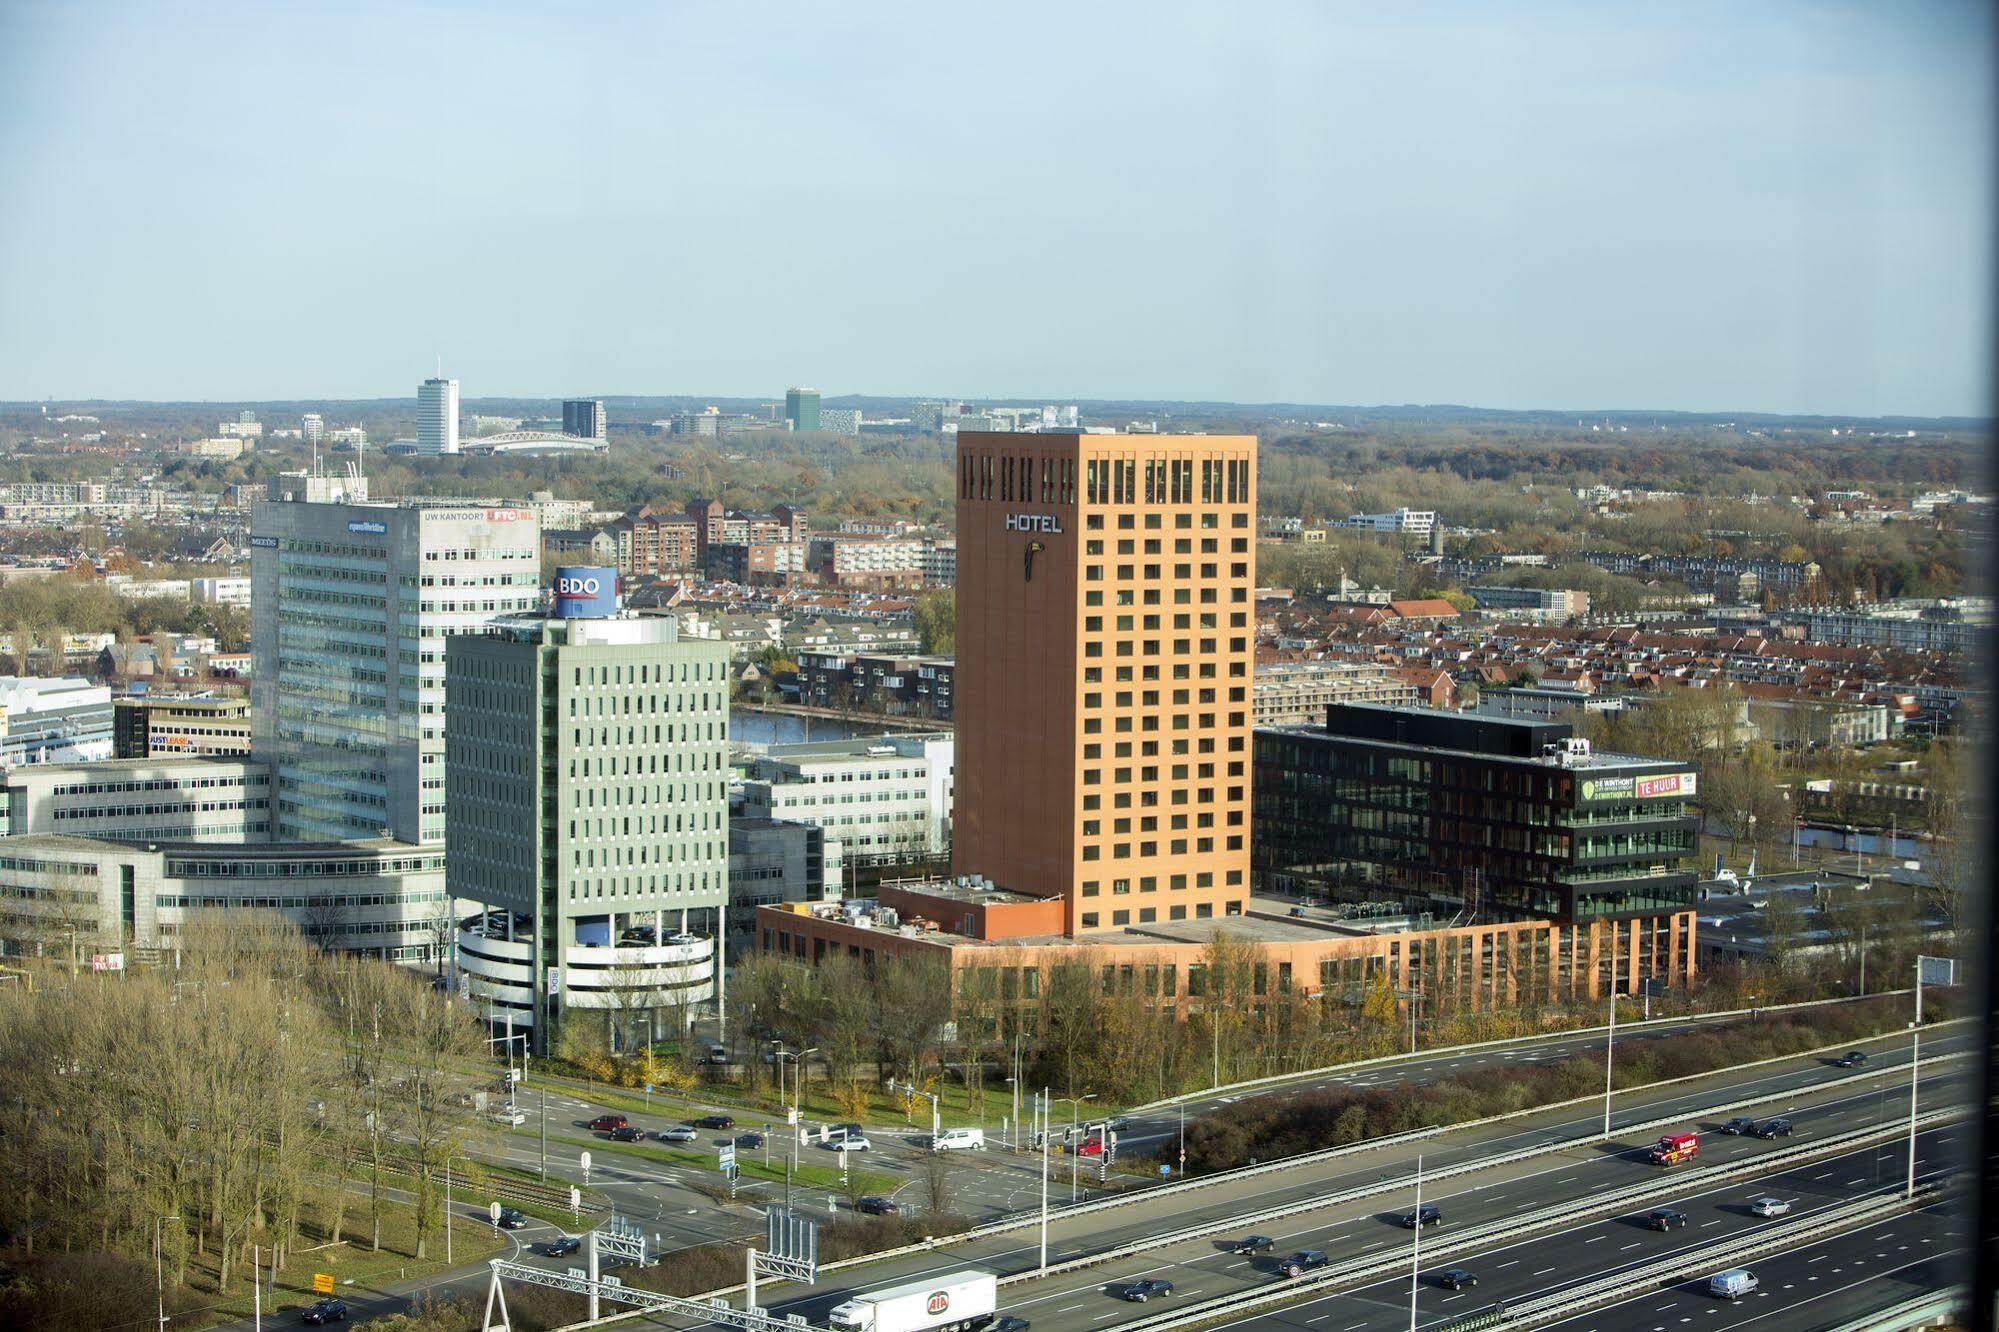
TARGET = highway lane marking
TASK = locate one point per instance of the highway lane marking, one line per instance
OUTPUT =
(1628, 1247)
(1508, 1263)
(1594, 1238)
(1544, 1271)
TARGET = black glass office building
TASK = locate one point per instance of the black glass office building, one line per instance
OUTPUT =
(1498, 818)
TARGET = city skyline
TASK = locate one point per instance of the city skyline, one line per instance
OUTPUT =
(1330, 206)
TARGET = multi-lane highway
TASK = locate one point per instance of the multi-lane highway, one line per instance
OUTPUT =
(1597, 1246)
(1079, 1301)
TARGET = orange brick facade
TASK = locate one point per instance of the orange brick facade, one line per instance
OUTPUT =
(1523, 963)
(1105, 638)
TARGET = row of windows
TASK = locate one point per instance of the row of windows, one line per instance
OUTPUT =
(188, 902)
(1030, 479)
(1091, 920)
(1154, 545)
(159, 784)
(1150, 883)
(1152, 573)
(301, 869)
(643, 672)
(1177, 846)
(137, 811)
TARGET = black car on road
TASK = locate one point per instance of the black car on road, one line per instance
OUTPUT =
(326, 1311)
(1665, 1218)
(715, 1122)
(1253, 1244)
(1851, 1059)
(1138, 1292)
(1456, 1278)
(1427, 1215)
(563, 1247)
(512, 1218)
(874, 1206)
(1774, 1128)
(750, 1139)
(629, 1133)
(1739, 1124)
(1302, 1262)
(1007, 1324)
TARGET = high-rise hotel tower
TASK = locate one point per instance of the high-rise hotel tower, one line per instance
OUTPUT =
(1105, 640)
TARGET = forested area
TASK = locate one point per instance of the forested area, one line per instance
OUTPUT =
(256, 1094)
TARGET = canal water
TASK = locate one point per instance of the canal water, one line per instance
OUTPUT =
(747, 726)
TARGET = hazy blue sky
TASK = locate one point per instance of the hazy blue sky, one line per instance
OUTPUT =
(1767, 206)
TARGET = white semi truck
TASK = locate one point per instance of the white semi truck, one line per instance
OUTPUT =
(953, 1302)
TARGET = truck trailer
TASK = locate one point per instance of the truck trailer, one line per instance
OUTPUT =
(954, 1302)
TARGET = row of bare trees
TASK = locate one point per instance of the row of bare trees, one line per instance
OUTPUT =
(1127, 1032)
(259, 1092)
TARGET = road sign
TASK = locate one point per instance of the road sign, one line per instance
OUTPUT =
(1164, 1169)
(322, 1283)
(725, 1157)
(575, 1199)
(1937, 970)
(494, 1211)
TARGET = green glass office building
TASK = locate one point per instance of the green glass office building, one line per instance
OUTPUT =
(1490, 817)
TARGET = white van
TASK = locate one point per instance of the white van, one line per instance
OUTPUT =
(1732, 1284)
(953, 1139)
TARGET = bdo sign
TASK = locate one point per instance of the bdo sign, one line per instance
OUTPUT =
(585, 593)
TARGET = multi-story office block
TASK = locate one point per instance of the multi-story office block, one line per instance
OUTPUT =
(584, 418)
(880, 798)
(1103, 671)
(99, 900)
(772, 861)
(351, 610)
(801, 408)
(163, 724)
(437, 416)
(141, 800)
(589, 815)
(1499, 818)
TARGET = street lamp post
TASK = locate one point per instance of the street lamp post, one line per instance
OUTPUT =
(1041, 1127)
(797, 1058)
(160, 1267)
(1915, 1057)
(1416, 1247)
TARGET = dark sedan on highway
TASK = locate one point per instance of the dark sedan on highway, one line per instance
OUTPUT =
(1456, 1278)
(874, 1206)
(1665, 1218)
(1301, 1262)
(563, 1247)
(1138, 1292)
(1253, 1244)
(1428, 1215)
